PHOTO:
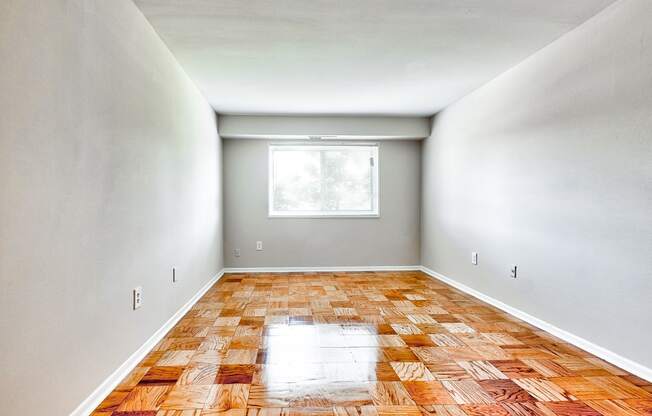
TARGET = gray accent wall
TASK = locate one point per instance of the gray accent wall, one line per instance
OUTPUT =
(549, 167)
(110, 175)
(391, 240)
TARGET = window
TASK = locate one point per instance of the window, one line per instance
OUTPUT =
(323, 180)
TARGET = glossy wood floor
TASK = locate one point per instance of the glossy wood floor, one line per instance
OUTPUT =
(365, 344)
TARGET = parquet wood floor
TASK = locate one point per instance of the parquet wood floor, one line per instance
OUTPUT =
(365, 344)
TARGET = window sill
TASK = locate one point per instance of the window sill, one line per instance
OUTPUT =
(294, 216)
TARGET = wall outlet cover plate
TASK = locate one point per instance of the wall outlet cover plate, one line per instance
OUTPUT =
(138, 297)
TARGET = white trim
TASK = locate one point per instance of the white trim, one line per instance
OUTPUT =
(330, 142)
(325, 216)
(91, 402)
(601, 352)
(320, 269)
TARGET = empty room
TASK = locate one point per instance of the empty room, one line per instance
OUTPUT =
(326, 207)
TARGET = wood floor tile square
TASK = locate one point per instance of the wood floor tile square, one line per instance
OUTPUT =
(467, 392)
(308, 411)
(186, 397)
(431, 329)
(220, 331)
(278, 395)
(441, 410)
(543, 390)
(406, 329)
(181, 343)
(501, 338)
(421, 319)
(449, 370)
(613, 407)
(227, 396)
(380, 371)
(133, 378)
(431, 355)
(462, 353)
(571, 409)
(446, 318)
(482, 370)
(484, 410)
(620, 388)
(515, 369)
(182, 412)
(227, 321)
(207, 357)
(527, 352)
(250, 330)
(475, 339)
(643, 406)
(385, 329)
(582, 388)
(175, 358)
(581, 367)
(215, 343)
(369, 410)
(151, 359)
(235, 374)
(112, 401)
(203, 374)
(492, 352)
(457, 327)
(428, 392)
(161, 376)
(389, 341)
(422, 340)
(548, 368)
(605, 365)
(526, 409)
(412, 371)
(505, 391)
(144, 398)
(390, 393)
(345, 394)
(398, 411)
(240, 356)
(398, 354)
(447, 340)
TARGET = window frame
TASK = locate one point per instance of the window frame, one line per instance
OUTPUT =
(375, 182)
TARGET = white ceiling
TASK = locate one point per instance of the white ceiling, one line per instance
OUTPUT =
(385, 57)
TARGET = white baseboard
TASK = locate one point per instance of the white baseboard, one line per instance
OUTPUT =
(601, 352)
(91, 402)
(320, 269)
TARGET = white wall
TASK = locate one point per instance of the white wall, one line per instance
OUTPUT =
(549, 167)
(109, 176)
(391, 240)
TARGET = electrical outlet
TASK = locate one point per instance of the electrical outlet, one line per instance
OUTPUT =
(174, 275)
(138, 297)
(513, 271)
(236, 252)
(474, 258)
(259, 246)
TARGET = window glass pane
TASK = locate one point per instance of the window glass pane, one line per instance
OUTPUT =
(347, 180)
(323, 180)
(297, 183)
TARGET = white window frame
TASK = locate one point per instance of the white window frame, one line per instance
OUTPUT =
(375, 183)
